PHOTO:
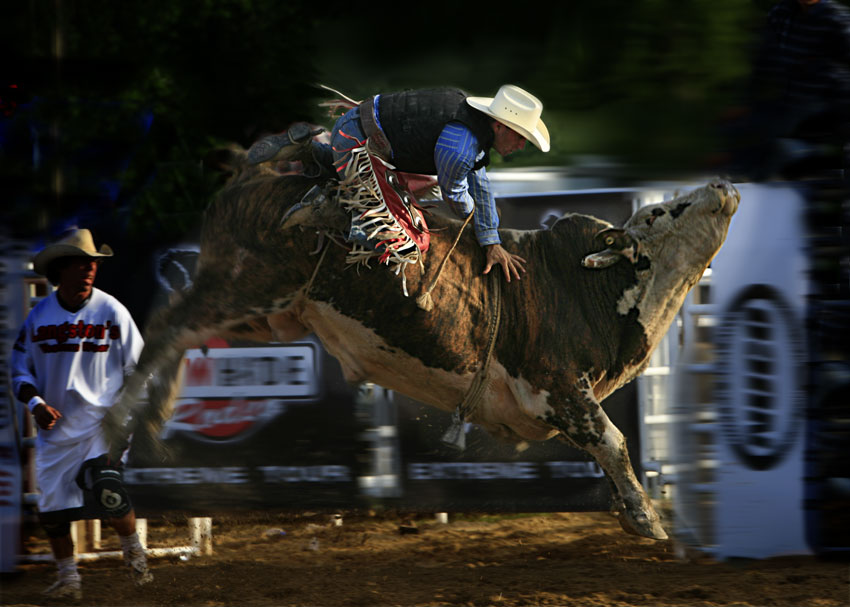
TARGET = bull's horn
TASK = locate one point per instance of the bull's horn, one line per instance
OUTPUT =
(602, 259)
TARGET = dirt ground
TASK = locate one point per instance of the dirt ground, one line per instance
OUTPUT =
(581, 559)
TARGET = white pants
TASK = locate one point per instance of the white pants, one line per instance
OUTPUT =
(56, 471)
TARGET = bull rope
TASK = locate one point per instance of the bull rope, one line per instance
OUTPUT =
(455, 436)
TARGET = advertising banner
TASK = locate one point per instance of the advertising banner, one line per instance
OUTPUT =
(255, 427)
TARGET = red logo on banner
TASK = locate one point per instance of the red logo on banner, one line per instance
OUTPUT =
(199, 371)
(230, 393)
(221, 419)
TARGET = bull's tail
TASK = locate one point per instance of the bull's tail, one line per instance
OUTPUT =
(147, 400)
(144, 409)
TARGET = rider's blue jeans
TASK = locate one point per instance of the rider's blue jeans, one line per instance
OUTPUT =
(346, 135)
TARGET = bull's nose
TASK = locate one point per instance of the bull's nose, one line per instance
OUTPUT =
(732, 198)
(729, 195)
(733, 191)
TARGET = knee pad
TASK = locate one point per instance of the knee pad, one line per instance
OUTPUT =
(57, 529)
(109, 492)
(106, 484)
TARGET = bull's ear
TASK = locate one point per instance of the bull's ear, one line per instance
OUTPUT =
(620, 244)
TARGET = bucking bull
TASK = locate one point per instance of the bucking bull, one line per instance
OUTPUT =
(538, 355)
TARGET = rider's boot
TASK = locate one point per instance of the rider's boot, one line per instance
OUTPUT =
(283, 146)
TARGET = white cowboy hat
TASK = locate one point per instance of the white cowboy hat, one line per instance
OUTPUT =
(78, 243)
(518, 109)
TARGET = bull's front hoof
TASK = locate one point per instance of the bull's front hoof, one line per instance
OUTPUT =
(642, 525)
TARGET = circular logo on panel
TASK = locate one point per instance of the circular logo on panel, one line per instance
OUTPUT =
(761, 376)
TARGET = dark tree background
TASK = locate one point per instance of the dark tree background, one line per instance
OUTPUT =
(110, 109)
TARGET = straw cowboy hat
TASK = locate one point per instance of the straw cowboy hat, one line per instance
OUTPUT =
(517, 109)
(78, 243)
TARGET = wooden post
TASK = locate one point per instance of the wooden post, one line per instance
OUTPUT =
(200, 535)
(93, 533)
(85, 535)
(142, 531)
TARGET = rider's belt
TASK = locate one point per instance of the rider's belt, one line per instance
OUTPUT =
(378, 142)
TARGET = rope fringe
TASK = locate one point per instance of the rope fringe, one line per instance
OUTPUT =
(360, 194)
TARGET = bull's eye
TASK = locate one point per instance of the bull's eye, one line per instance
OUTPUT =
(609, 240)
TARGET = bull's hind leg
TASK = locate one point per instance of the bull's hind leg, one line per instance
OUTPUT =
(587, 426)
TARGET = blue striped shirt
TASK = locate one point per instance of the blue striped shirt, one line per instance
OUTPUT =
(464, 188)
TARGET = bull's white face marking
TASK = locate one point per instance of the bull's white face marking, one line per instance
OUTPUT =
(630, 299)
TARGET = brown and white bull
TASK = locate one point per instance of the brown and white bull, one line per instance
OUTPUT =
(583, 321)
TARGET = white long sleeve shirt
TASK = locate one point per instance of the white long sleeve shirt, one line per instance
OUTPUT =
(76, 360)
